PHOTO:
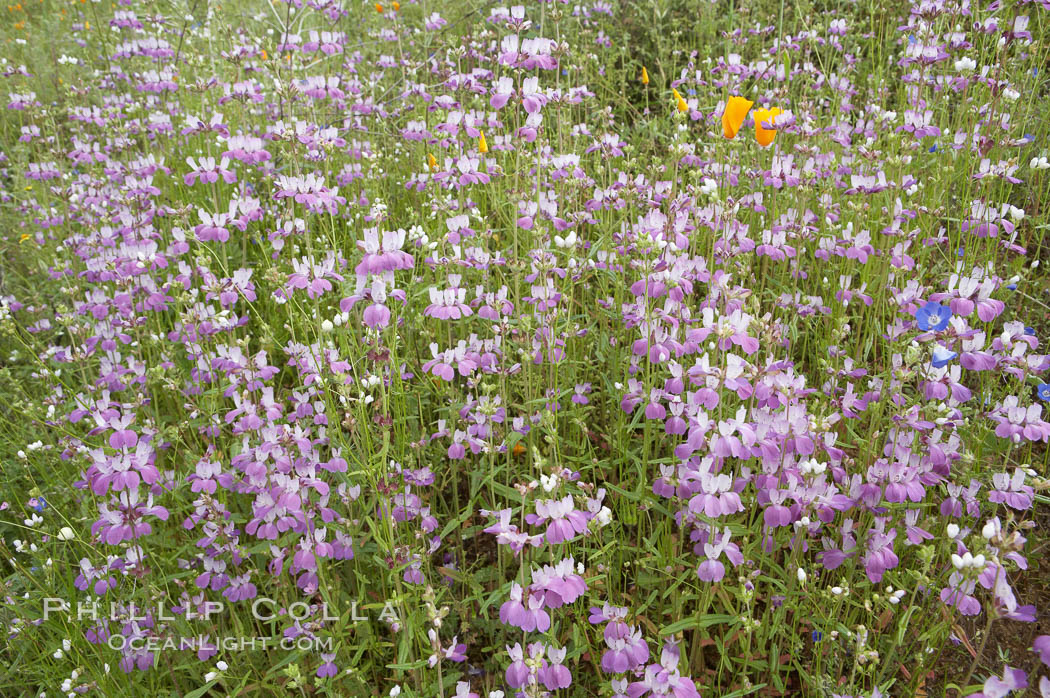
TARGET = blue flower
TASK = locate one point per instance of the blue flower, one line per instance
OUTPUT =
(933, 148)
(1030, 331)
(37, 504)
(933, 316)
(1012, 287)
(817, 636)
(942, 356)
(962, 251)
(691, 93)
(1043, 391)
(912, 40)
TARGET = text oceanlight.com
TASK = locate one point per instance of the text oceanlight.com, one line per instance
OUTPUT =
(227, 644)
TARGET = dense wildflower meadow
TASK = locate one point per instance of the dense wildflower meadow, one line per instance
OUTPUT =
(578, 348)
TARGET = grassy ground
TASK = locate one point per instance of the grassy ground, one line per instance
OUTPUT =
(435, 262)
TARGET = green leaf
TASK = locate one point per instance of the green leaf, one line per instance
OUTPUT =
(706, 622)
(419, 663)
(200, 691)
(456, 523)
(745, 691)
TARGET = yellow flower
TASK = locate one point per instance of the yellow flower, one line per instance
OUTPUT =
(432, 162)
(379, 8)
(733, 117)
(765, 136)
(25, 236)
(396, 6)
(645, 76)
(265, 57)
(483, 147)
(679, 100)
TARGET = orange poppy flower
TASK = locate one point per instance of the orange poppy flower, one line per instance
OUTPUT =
(733, 117)
(432, 162)
(645, 76)
(765, 136)
(483, 147)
